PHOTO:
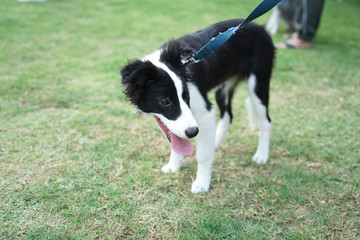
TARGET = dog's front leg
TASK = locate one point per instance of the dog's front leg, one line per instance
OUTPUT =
(205, 142)
(174, 164)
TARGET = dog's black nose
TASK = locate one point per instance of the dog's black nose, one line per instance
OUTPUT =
(191, 132)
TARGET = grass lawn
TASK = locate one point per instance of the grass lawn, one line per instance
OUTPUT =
(75, 163)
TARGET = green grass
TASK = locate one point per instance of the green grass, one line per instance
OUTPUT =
(75, 163)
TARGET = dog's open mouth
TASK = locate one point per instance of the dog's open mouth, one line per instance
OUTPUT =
(179, 145)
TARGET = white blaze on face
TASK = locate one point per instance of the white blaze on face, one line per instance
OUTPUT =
(186, 119)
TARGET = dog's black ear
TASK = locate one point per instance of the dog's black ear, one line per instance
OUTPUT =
(135, 70)
(134, 76)
(175, 53)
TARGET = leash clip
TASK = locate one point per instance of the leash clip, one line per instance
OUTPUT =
(191, 59)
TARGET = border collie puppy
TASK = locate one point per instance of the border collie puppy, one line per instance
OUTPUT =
(176, 93)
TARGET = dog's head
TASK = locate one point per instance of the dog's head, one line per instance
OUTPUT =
(159, 87)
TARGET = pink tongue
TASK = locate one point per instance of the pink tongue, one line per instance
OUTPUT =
(181, 146)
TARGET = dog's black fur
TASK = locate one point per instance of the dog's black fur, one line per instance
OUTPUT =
(250, 50)
(162, 85)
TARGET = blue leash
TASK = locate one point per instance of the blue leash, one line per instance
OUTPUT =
(216, 42)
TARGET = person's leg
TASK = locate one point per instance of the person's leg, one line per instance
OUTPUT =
(306, 21)
(298, 14)
(311, 14)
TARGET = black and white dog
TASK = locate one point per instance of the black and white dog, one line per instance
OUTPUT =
(176, 94)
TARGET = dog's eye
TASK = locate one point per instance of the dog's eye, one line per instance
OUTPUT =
(165, 101)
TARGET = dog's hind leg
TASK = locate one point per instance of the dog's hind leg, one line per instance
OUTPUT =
(257, 105)
(223, 99)
(174, 164)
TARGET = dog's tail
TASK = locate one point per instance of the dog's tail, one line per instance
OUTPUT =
(252, 116)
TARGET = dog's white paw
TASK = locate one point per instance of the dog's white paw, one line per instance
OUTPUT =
(171, 168)
(200, 186)
(260, 158)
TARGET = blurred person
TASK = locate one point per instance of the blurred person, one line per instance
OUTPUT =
(306, 21)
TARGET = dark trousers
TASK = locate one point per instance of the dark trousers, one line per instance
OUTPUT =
(307, 17)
